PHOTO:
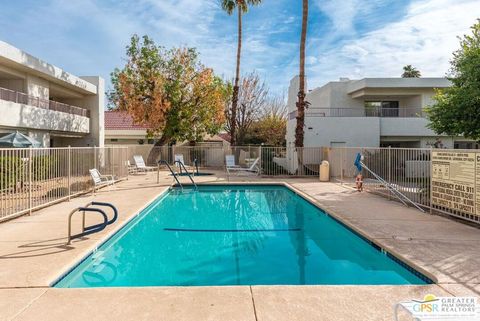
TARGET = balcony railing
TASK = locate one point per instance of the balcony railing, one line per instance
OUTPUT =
(21, 98)
(409, 112)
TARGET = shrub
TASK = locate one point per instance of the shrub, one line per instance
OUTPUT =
(269, 167)
(43, 166)
(12, 170)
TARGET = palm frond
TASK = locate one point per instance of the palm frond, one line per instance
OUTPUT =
(229, 6)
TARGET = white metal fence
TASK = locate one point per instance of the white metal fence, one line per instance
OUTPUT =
(405, 169)
(408, 170)
(31, 178)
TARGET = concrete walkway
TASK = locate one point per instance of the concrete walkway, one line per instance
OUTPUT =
(33, 254)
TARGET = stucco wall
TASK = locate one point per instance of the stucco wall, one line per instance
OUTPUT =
(353, 131)
(319, 97)
(292, 94)
(96, 105)
(43, 137)
(37, 87)
(405, 127)
(339, 97)
(126, 133)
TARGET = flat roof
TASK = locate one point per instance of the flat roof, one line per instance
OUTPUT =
(18, 59)
(438, 82)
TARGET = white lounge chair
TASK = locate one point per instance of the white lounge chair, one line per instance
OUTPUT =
(100, 180)
(140, 164)
(179, 158)
(232, 167)
(132, 169)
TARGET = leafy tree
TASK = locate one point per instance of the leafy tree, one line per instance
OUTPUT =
(269, 130)
(271, 126)
(301, 103)
(456, 110)
(169, 91)
(411, 72)
(242, 7)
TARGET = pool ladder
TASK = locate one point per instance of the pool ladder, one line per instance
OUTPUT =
(175, 175)
(92, 228)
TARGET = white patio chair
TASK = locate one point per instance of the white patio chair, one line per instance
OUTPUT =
(132, 169)
(179, 158)
(100, 180)
(231, 167)
(140, 164)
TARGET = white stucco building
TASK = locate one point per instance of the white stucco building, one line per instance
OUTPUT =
(47, 103)
(370, 112)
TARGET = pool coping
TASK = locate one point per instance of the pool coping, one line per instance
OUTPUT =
(414, 268)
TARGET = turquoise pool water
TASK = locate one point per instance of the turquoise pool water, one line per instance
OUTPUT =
(236, 235)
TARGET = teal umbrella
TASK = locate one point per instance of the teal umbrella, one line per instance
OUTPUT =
(18, 140)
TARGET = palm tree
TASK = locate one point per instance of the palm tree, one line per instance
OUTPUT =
(411, 72)
(301, 103)
(242, 6)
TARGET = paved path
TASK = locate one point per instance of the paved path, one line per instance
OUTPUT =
(33, 254)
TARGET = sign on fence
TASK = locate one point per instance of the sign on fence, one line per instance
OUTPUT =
(456, 181)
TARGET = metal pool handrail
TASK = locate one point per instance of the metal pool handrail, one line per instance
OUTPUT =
(115, 211)
(93, 228)
(400, 196)
(171, 171)
(181, 165)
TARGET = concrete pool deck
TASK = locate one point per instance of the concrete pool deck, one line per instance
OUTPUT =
(33, 254)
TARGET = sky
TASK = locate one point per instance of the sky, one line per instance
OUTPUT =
(346, 38)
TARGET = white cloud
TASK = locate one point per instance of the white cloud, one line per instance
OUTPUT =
(341, 13)
(89, 36)
(425, 38)
(311, 60)
(344, 13)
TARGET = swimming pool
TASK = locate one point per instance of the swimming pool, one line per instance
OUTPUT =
(236, 235)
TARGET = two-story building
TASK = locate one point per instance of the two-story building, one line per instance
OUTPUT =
(370, 112)
(47, 103)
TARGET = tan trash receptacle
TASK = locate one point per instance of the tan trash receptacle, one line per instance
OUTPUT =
(324, 171)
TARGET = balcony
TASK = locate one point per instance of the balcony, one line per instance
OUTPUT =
(20, 110)
(407, 112)
(415, 112)
(21, 98)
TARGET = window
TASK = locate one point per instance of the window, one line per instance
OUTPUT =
(381, 108)
(114, 140)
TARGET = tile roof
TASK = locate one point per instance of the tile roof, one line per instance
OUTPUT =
(224, 136)
(121, 120)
